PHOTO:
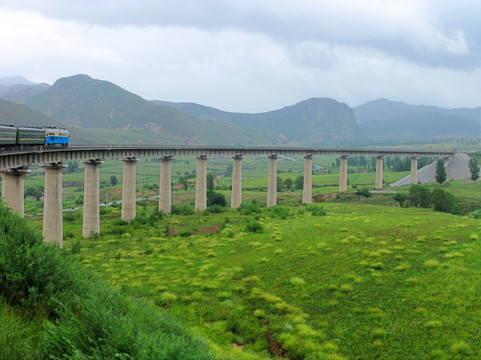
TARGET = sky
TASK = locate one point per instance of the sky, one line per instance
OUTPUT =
(253, 55)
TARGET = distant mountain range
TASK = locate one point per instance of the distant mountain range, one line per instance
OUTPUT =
(100, 111)
(385, 119)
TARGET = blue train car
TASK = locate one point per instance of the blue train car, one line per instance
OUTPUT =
(56, 137)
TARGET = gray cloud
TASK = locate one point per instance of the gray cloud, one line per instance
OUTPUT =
(253, 55)
(432, 33)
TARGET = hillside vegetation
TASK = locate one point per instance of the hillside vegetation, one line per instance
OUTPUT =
(314, 121)
(89, 103)
(50, 307)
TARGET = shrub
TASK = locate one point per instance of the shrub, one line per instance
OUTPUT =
(279, 211)
(363, 192)
(254, 226)
(445, 202)
(419, 196)
(316, 210)
(248, 209)
(182, 210)
(215, 198)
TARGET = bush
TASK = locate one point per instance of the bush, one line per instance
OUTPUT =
(316, 210)
(254, 226)
(419, 196)
(445, 202)
(279, 211)
(182, 210)
(214, 198)
(248, 209)
(363, 192)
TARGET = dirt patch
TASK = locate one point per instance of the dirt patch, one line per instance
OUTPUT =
(275, 348)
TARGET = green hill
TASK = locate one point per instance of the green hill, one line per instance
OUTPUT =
(15, 114)
(89, 103)
(315, 121)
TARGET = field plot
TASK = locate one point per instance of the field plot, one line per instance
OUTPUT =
(343, 281)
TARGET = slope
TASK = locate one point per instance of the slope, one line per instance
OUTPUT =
(85, 102)
(310, 122)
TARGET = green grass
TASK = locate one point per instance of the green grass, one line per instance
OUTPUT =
(360, 282)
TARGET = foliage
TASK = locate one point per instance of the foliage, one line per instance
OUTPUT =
(35, 191)
(440, 171)
(445, 202)
(113, 180)
(401, 199)
(72, 166)
(474, 169)
(419, 196)
(83, 318)
(316, 210)
(299, 182)
(249, 208)
(254, 226)
(363, 192)
(210, 181)
(288, 183)
(280, 184)
(182, 210)
(215, 198)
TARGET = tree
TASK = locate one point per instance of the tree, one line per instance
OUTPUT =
(72, 167)
(113, 180)
(210, 181)
(215, 198)
(299, 182)
(419, 196)
(288, 183)
(280, 184)
(440, 171)
(445, 202)
(474, 169)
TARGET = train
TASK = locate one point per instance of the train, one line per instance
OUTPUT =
(14, 137)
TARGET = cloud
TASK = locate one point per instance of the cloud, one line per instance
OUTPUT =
(251, 55)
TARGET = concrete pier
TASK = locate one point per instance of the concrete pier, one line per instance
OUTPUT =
(165, 188)
(272, 181)
(12, 188)
(343, 173)
(128, 189)
(91, 216)
(307, 188)
(201, 183)
(414, 169)
(379, 172)
(52, 204)
(236, 196)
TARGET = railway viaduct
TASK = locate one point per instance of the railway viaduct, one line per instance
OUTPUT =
(14, 167)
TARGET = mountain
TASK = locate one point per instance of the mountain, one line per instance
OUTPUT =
(15, 114)
(20, 93)
(90, 103)
(383, 118)
(317, 121)
(14, 80)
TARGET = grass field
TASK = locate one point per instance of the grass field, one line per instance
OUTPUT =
(361, 282)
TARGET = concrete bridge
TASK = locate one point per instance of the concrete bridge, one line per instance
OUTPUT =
(14, 167)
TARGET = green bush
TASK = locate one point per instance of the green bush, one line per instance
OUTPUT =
(182, 210)
(248, 209)
(254, 226)
(445, 202)
(279, 211)
(316, 210)
(363, 192)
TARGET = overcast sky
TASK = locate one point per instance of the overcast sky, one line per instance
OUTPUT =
(252, 56)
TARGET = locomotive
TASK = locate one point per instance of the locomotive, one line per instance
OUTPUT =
(12, 136)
